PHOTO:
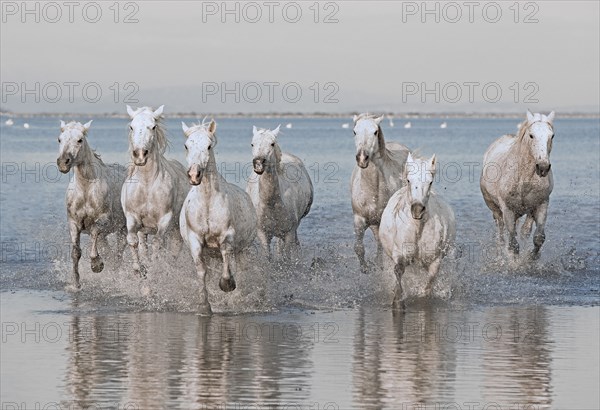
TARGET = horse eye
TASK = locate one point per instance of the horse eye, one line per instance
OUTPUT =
(153, 127)
(552, 136)
(79, 141)
(354, 132)
(131, 128)
(185, 146)
(273, 144)
(531, 136)
(58, 140)
(251, 145)
(376, 132)
(209, 147)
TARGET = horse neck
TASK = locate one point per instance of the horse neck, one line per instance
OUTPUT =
(212, 180)
(382, 154)
(268, 182)
(89, 167)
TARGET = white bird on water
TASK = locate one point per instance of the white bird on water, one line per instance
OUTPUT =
(288, 125)
(407, 125)
(391, 120)
(346, 125)
(26, 125)
(444, 125)
(9, 122)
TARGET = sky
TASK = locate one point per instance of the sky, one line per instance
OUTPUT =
(305, 56)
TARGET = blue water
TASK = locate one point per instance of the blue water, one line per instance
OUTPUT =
(528, 333)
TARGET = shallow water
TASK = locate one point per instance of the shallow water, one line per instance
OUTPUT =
(152, 351)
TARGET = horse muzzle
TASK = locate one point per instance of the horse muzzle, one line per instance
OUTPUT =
(140, 157)
(542, 168)
(417, 210)
(64, 164)
(259, 165)
(195, 174)
(362, 159)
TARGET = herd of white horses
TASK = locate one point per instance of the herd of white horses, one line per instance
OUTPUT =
(391, 193)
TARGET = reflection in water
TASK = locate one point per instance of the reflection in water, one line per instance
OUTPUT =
(518, 368)
(428, 357)
(160, 360)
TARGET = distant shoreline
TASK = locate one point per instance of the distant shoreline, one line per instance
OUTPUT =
(409, 115)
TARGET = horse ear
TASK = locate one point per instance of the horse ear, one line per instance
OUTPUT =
(254, 130)
(158, 111)
(62, 125)
(87, 125)
(530, 117)
(433, 162)
(355, 118)
(276, 131)
(410, 157)
(212, 127)
(378, 120)
(185, 128)
(550, 117)
(130, 111)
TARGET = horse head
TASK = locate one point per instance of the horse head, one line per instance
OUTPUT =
(539, 132)
(145, 134)
(199, 144)
(71, 141)
(265, 150)
(419, 174)
(367, 138)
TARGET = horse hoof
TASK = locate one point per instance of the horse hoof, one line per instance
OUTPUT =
(534, 255)
(227, 285)
(364, 269)
(398, 305)
(73, 288)
(97, 265)
(204, 309)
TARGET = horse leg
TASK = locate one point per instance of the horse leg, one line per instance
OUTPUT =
(379, 255)
(510, 221)
(75, 232)
(162, 228)
(290, 246)
(265, 242)
(227, 281)
(196, 250)
(120, 246)
(398, 303)
(143, 245)
(432, 271)
(133, 241)
(527, 225)
(175, 244)
(96, 261)
(360, 226)
(539, 236)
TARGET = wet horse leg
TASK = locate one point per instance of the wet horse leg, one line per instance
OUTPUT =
(360, 226)
(75, 232)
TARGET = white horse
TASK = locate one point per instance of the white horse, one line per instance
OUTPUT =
(516, 180)
(281, 192)
(155, 187)
(216, 216)
(375, 178)
(92, 195)
(417, 226)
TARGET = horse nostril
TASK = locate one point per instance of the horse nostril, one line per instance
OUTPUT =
(145, 152)
(67, 160)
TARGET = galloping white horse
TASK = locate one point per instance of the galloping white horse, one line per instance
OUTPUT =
(216, 215)
(516, 180)
(155, 187)
(417, 226)
(375, 178)
(92, 196)
(282, 191)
